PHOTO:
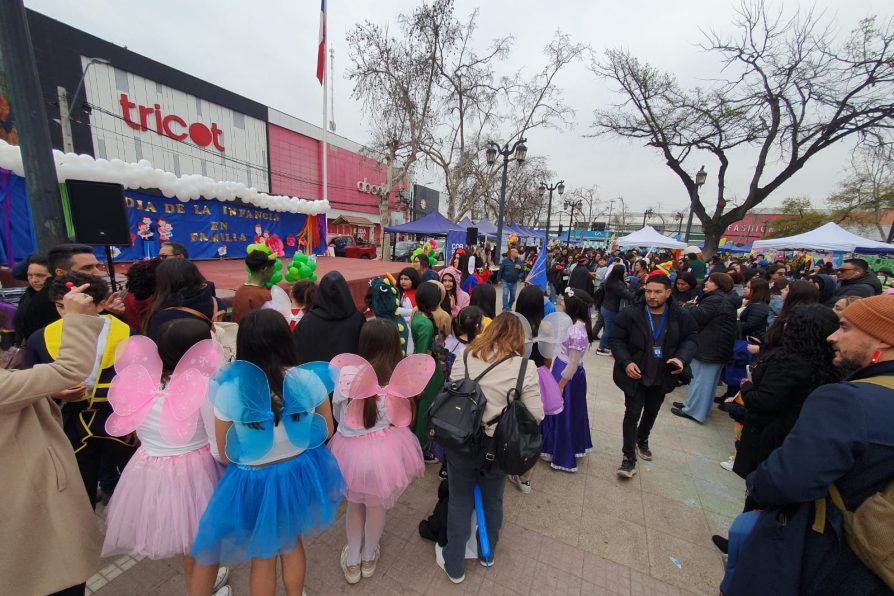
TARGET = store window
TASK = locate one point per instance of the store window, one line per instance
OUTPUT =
(198, 106)
(138, 148)
(101, 148)
(176, 164)
(239, 120)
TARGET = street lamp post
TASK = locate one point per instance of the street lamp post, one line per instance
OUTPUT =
(679, 217)
(518, 152)
(560, 186)
(570, 206)
(647, 213)
(700, 177)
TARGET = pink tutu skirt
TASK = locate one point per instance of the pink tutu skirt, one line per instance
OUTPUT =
(379, 466)
(549, 392)
(158, 503)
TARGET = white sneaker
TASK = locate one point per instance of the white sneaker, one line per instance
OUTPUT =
(352, 572)
(223, 591)
(439, 559)
(523, 485)
(223, 574)
(368, 568)
(728, 464)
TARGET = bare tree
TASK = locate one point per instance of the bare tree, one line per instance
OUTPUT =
(394, 79)
(589, 198)
(869, 188)
(791, 90)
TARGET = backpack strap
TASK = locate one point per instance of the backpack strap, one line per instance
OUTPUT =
(486, 370)
(520, 381)
(886, 381)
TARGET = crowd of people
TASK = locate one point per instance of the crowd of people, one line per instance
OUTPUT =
(223, 441)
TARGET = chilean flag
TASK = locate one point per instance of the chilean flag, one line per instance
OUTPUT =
(321, 51)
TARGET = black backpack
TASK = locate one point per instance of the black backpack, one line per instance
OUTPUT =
(517, 442)
(454, 419)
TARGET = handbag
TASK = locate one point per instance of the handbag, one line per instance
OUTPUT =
(222, 332)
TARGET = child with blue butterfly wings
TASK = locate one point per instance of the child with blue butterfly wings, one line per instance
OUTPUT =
(271, 420)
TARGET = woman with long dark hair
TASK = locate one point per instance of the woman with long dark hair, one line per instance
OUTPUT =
(796, 293)
(484, 296)
(456, 296)
(181, 292)
(616, 294)
(781, 381)
(753, 318)
(426, 341)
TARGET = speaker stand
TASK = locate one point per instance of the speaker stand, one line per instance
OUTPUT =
(111, 266)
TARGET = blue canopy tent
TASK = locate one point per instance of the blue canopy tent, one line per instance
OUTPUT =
(466, 223)
(486, 227)
(433, 224)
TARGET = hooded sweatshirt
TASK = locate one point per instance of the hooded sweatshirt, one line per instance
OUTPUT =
(827, 287)
(332, 326)
(864, 286)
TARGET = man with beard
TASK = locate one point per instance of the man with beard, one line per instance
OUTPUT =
(651, 343)
(842, 444)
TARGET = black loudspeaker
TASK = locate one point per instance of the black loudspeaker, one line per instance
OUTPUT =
(471, 236)
(98, 213)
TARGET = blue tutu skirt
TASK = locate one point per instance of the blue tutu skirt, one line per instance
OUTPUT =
(261, 512)
(566, 435)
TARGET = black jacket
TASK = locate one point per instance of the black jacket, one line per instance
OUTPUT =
(34, 312)
(773, 402)
(630, 341)
(580, 279)
(615, 291)
(332, 326)
(864, 286)
(753, 320)
(716, 319)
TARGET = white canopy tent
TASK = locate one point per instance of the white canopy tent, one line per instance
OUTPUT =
(830, 236)
(650, 238)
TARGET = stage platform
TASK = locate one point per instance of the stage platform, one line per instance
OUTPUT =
(229, 274)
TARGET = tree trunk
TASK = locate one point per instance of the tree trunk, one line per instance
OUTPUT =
(713, 233)
(384, 215)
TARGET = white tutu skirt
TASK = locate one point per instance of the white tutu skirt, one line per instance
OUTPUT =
(378, 466)
(158, 503)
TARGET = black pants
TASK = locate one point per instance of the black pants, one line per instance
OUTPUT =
(96, 452)
(641, 409)
(77, 590)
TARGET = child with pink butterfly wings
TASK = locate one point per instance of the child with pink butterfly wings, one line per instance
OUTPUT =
(378, 454)
(158, 392)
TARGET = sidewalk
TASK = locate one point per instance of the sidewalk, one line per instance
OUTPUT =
(584, 533)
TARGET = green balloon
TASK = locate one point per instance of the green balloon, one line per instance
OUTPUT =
(312, 265)
(292, 275)
(432, 261)
(304, 271)
(278, 265)
(301, 257)
(277, 277)
(313, 277)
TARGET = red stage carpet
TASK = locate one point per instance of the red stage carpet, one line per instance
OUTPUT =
(228, 275)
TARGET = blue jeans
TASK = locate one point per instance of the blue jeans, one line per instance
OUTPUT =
(702, 388)
(608, 321)
(461, 478)
(552, 293)
(508, 295)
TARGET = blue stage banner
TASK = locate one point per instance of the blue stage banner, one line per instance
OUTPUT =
(213, 229)
(455, 240)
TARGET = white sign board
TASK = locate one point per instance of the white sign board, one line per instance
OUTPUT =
(134, 118)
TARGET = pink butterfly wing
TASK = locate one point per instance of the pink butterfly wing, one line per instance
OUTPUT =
(399, 410)
(139, 350)
(183, 401)
(354, 413)
(411, 375)
(131, 395)
(356, 379)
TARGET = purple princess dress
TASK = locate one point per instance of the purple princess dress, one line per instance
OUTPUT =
(566, 435)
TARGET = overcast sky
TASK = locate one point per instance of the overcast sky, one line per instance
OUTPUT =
(222, 40)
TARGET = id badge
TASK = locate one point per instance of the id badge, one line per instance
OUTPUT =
(657, 352)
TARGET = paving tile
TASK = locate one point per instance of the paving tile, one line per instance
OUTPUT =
(604, 576)
(567, 559)
(719, 499)
(675, 518)
(672, 485)
(615, 539)
(615, 496)
(700, 568)
(642, 584)
(553, 580)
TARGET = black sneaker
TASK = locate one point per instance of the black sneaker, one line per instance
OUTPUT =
(677, 404)
(442, 473)
(627, 469)
(721, 543)
(643, 452)
(429, 457)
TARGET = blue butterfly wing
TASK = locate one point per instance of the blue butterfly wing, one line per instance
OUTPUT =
(304, 389)
(240, 393)
(327, 373)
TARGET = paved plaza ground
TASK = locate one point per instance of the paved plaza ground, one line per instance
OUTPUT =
(583, 533)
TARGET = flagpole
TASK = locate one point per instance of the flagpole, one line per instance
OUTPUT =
(325, 108)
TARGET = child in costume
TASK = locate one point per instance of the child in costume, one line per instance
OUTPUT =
(427, 341)
(378, 455)
(302, 296)
(255, 293)
(271, 419)
(566, 435)
(163, 491)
